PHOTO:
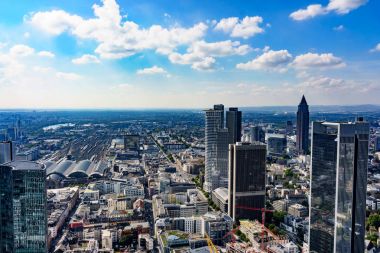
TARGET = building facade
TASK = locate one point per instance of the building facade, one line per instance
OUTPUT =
(276, 144)
(7, 152)
(247, 173)
(302, 142)
(28, 206)
(233, 124)
(338, 186)
(214, 119)
(257, 134)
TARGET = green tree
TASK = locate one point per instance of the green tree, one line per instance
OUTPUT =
(278, 217)
(374, 220)
(373, 238)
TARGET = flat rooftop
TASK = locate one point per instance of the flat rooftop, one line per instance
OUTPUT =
(25, 165)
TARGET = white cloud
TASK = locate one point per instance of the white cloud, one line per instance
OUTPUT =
(151, 71)
(344, 6)
(21, 50)
(86, 59)
(311, 60)
(376, 48)
(68, 76)
(270, 61)
(311, 11)
(323, 82)
(338, 6)
(245, 28)
(42, 69)
(46, 54)
(54, 22)
(206, 64)
(116, 39)
(339, 28)
(201, 55)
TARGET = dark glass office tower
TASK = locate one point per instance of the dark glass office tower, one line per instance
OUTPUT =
(6, 210)
(233, 124)
(27, 204)
(222, 159)
(246, 181)
(303, 127)
(338, 187)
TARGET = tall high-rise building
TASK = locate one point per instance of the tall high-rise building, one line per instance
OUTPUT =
(246, 181)
(257, 134)
(338, 188)
(25, 216)
(377, 143)
(214, 122)
(303, 127)
(276, 144)
(233, 124)
(6, 210)
(7, 152)
(221, 159)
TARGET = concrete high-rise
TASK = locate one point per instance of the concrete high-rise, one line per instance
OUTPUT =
(246, 181)
(214, 122)
(257, 134)
(338, 187)
(233, 124)
(23, 207)
(302, 142)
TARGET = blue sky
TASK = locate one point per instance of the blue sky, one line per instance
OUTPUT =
(187, 54)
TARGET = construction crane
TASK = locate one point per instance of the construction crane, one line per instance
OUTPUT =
(263, 212)
(211, 245)
(232, 233)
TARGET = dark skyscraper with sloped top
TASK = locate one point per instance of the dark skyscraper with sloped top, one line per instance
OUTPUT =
(303, 127)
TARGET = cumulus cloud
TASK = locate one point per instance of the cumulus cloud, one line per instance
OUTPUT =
(21, 50)
(68, 76)
(344, 6)
(151, 71)
(245, 28)
(323, 82)
(86, 59)
(312, 60)
(201, 55)
(116, 39)
(46, 54)
(340, 7)
(269, 61)
(376, 48)
(311, 11)
(281, 60)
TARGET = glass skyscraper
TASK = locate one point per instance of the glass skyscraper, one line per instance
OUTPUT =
(233, 123)
(303, 127)
(23, 207)
(338, 186)
(246, 182)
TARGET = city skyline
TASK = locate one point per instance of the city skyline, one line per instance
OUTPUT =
(105, 54)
